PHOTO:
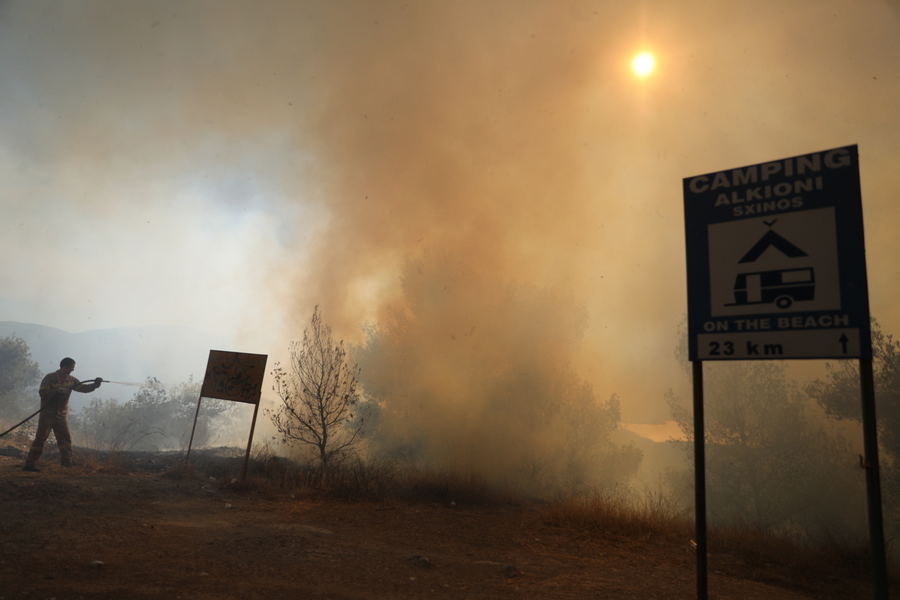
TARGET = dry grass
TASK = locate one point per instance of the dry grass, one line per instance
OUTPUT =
(738, 548)
(357, 480)
(105, 462)
(821, 557)
(645, 516)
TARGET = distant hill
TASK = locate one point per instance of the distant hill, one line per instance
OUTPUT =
(171, 354)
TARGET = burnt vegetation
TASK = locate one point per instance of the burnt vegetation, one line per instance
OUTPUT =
(318, 392)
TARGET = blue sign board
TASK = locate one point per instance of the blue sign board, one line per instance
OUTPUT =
(776, 260)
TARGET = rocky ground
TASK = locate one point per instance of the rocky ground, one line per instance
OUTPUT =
(136, 531)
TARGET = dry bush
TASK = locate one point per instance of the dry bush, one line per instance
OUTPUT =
(21, 437)
(825, 557)
(360, 480)
(374, 480)
(444, 487)
(90, 461)
(621, 513)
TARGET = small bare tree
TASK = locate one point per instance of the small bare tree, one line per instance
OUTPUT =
(318, 394)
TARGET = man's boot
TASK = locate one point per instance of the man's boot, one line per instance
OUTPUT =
(33, 455)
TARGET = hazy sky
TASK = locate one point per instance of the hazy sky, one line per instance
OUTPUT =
(228, 165)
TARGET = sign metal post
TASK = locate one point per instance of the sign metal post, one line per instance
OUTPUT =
(776, 270)
(700, 480)
(233, 376)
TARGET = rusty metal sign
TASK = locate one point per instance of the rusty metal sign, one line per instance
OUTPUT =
(234, 376)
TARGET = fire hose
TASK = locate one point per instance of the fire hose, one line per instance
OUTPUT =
(20, 423)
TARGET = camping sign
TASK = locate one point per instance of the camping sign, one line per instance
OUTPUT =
(776, 260)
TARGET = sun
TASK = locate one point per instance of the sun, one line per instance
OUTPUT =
(643, 64)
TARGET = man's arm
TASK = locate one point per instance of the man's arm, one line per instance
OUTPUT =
(86, 387)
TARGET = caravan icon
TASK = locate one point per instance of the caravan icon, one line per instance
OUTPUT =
(780, 287)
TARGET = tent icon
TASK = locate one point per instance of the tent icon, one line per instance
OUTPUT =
(772, 240)
(781, 287)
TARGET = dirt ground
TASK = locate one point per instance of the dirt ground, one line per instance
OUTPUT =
(135, 532)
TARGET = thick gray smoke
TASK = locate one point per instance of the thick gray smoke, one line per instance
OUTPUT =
(474, 375)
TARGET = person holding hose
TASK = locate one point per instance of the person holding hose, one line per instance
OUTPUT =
(55, 391)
